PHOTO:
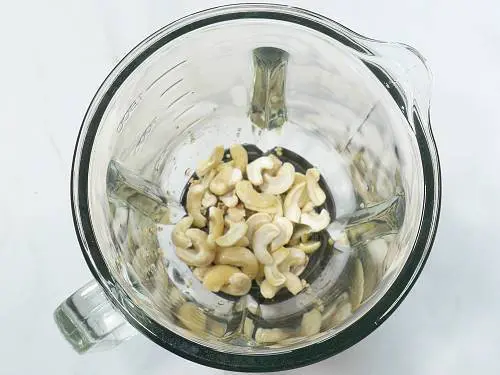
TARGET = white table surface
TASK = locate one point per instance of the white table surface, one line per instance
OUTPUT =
(54, 55)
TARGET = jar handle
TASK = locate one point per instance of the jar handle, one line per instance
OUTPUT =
(88, 320)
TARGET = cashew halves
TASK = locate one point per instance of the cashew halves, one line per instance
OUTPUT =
(315, 193)
(193, 205)
(208, 200)
(240, 257)
(254, 169)
(262, 238)
(215, 224)
(179, 237)
(317, 222)
(227, 279)
(235, 233)
(250, 197)
(286, 230)
(240, 157)
(281, 182)
(291, 205)
(229, 199)
(207, 165)
(225, 180)
(255, 221)
(202, 255)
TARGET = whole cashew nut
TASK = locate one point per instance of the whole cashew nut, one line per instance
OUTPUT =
(215, 224)
(314, 191)
(250, 197)
(208, 200)
(267, 290)
(179, 237)
(227, 279)
(239, 156)
(254, 169)
(317, 222)
(262, 238)
(281, 182)
(229, 199)
(277, 163)
(225, 180)
(300, 231)
(295, 258)
(235, 233)
(202, 255)
(193, 205)
(239, 257)
(207, 165)
(291, 205)
(273, 275)
(309, 247)
(255, 221)
(286, 230)
(293, 283)
(235, 214)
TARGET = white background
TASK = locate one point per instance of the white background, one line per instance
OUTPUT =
(55, 53)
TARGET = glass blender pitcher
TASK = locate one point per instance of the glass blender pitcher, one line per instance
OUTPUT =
(266, 76)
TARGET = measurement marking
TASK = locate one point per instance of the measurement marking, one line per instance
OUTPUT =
(171, 86)
(183, 112)
(179, 98)
(165, 73)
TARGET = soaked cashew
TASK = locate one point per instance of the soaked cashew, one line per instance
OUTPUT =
(215, 225)
(215, 158)
(244, 242)
(300, 231)
(227, 279)
(239, 257)
(225, 180)
(235, 214)
(179, 237)
(357, 284)
(269, 291)
(317, 222)
(304, 198)
(208, 200)
(199, 272)
(192, 317)
(309, 247)
(293, 283)
(314, 191)
(262, 239)
(308, 207)
(235, 233)
(273, 275)
(193, 205)
(271, 335)
(277, 163)
(202, 255)
(207, 179)
(255, 168)
(295, 258)
(281, 182)
(311, 323)
(280, 255)
(286, 230)
(291, 205)
(240, 157)
(255, 221)
(250, 197)
(230, 199)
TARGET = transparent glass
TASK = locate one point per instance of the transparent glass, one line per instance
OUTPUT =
(267, 76)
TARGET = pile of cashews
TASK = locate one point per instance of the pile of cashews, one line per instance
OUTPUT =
(250, 221)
